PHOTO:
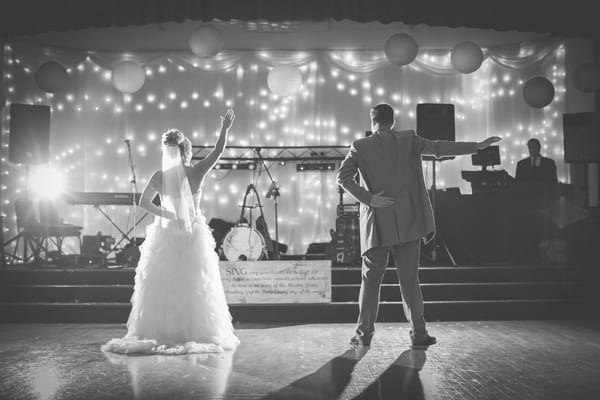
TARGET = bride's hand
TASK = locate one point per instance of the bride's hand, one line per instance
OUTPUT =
(180, 223)
(227, 119)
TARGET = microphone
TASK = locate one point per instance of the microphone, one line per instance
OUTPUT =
(272, 190)
(127, 141)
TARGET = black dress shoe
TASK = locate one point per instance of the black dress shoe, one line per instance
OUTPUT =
(423, 341)
(360, 340)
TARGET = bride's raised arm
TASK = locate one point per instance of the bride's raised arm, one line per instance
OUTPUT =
(211, 159)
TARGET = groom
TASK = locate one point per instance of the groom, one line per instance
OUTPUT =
(395, 214)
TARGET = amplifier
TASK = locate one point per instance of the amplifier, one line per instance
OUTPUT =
(348, 209)
(345, 244)
(347, 225)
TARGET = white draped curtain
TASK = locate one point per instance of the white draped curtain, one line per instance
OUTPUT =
(91, 119)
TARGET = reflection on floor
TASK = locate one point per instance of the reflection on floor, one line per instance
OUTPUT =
(472, 360)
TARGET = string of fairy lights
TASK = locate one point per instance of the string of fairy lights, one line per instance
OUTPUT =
(91, 120)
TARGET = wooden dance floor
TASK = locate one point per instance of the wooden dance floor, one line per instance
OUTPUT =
(472, 360)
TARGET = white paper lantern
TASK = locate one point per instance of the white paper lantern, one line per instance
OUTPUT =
(51, 76)
(587, 77)
(128, 77)
(206, 41)
(538, 92)
(466, 57)
(284, 80)
(401, 49)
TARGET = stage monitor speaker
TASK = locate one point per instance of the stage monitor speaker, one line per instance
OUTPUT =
(581, 137)
(436, 121)
(29, 137)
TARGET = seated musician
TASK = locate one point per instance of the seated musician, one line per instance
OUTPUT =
(536, 168)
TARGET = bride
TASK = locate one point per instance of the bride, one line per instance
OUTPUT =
(178, 304)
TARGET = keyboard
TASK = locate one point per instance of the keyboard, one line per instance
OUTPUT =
(102, 198)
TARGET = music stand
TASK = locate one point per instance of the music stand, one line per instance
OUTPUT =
(131, 254)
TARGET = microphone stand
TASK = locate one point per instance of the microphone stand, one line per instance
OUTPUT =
(273, 191)
(134, 190)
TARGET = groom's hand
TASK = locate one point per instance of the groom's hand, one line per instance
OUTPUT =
(379, 200)
(488, 142)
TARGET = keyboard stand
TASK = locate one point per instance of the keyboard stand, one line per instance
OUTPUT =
(124, 235)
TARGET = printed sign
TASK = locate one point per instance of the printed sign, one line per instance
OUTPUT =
(301, 281)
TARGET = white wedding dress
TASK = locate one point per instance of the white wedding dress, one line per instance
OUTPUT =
(178, 304)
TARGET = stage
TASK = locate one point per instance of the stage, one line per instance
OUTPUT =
(472, 360)
(476, 292)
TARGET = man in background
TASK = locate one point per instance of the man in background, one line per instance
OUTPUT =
(536, 168)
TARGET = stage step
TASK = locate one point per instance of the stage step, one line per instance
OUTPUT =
(41, 276)
(339, 275)
(512, 273)
(340, 293)
(470, 291)
(450, 293)
(312, 313)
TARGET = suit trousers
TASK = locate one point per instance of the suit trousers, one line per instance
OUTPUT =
(374, 263)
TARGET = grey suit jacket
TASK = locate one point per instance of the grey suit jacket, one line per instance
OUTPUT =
(391, 161)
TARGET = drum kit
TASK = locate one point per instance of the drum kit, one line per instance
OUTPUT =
(244, 242)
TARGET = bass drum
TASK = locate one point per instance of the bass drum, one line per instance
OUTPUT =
(243, 243)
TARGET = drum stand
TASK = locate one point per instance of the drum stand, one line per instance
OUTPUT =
(274, 192)
(243, 222)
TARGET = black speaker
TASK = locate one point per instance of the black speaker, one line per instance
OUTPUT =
(581, 137)
(29, 137)
(435, 121)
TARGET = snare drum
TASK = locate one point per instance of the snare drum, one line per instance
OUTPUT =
(243, 243)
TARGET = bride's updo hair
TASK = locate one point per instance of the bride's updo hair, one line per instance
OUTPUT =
(174, 137)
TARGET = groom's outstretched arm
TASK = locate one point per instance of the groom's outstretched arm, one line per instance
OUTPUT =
(441, 148)
(346, 178)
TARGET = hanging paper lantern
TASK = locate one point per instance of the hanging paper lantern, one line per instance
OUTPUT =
(128, 77)
(206, 41)
(538, 92)
(466, 57)
(587, 77)
(401, 49)
(51, 76)
(284, 80)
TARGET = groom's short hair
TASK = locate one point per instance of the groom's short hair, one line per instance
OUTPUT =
(383, 113)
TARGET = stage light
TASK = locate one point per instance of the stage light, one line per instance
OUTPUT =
(315, 167)
(46, 182)
(236, 166)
